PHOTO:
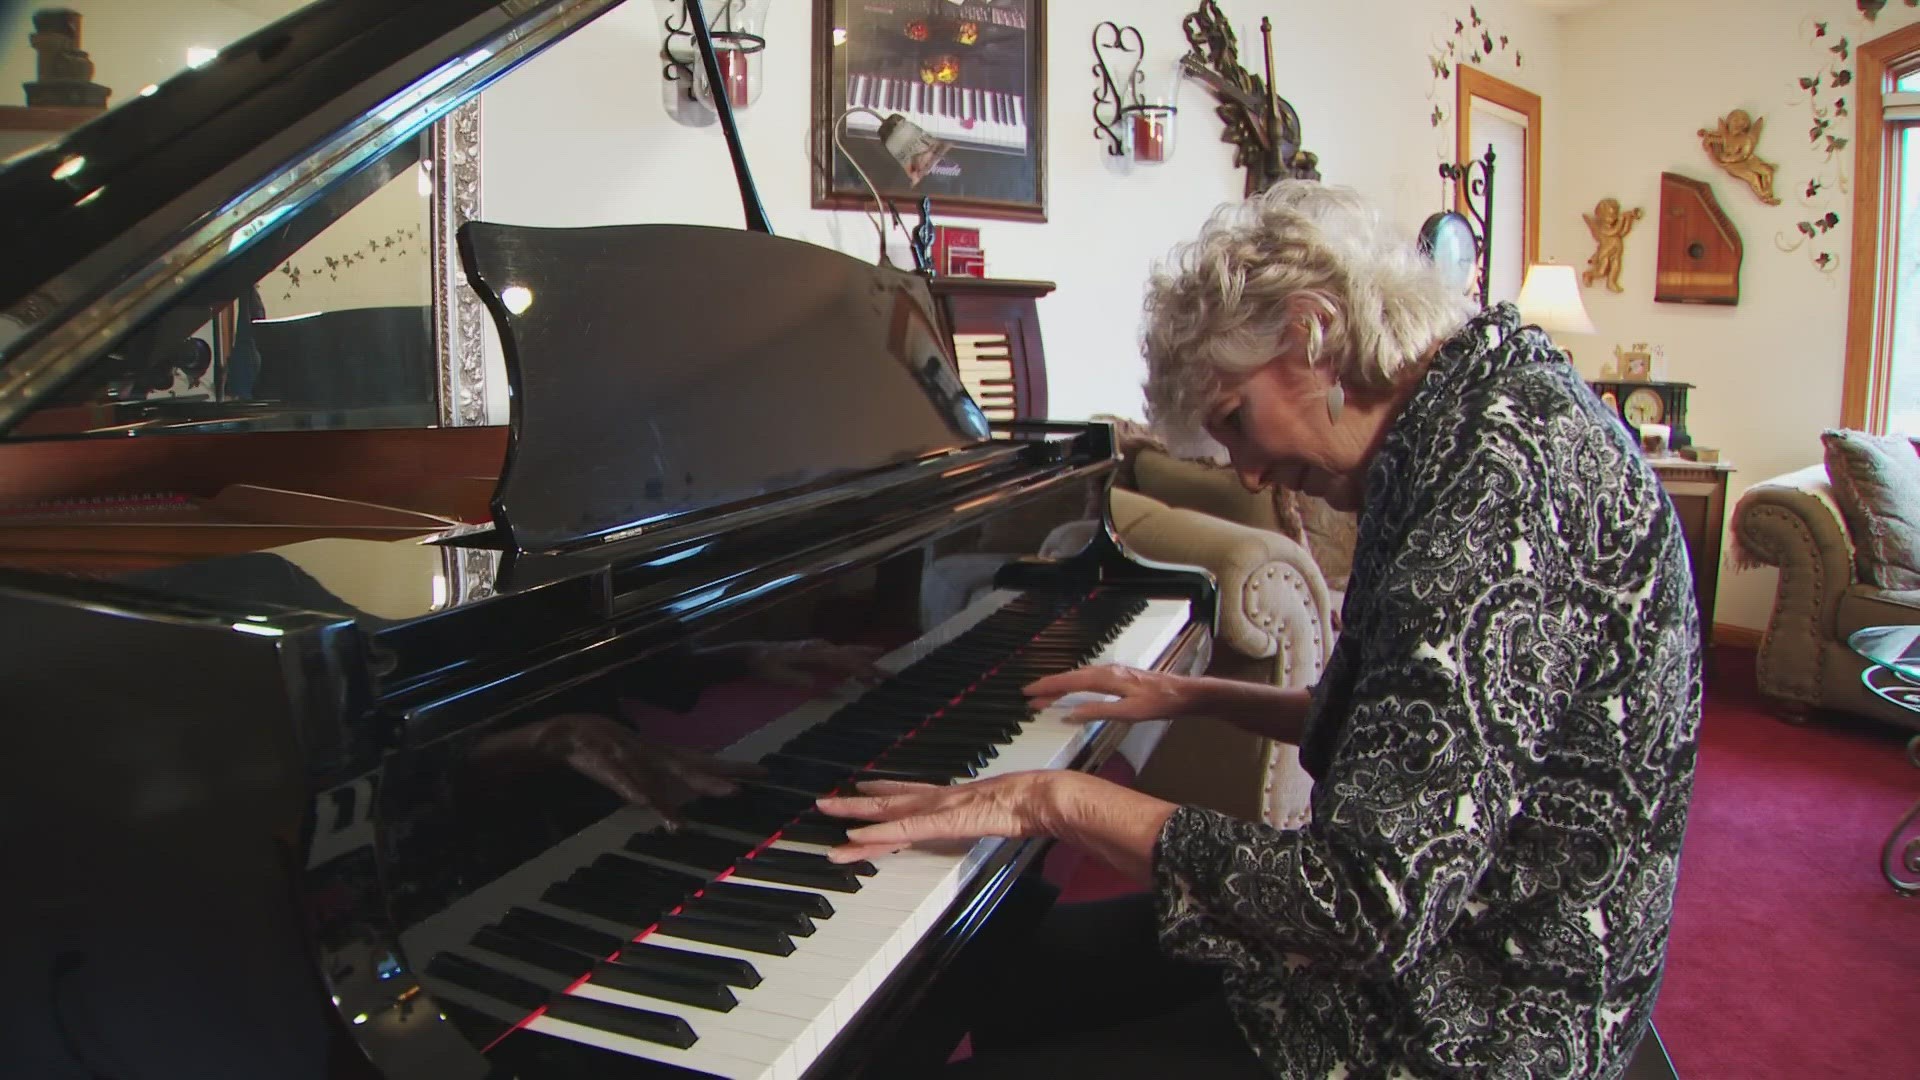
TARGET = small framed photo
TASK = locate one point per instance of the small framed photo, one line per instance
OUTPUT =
(1636, 364)
(971, 74)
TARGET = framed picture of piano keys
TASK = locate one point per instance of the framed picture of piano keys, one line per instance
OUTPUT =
(971, 73)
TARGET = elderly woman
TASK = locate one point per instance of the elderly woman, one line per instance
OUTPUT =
(1502, 744)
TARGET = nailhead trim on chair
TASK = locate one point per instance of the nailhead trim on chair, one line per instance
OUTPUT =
(1289, 661)
(1769, 640)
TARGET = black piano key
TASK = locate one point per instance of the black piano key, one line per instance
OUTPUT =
(905, 764)
(806, 903)
(595, 902)
(728, 932)
(476, 1027)
(544, 955)
(832, 880)
(745, 821)
(539, 924)
(830, 832)
(668, 960)
(534, 1055)
(706, 852)
(487, 981)
(632, 878)
(645, 1024)
(785, 857)
(793, 923)
(700, 993)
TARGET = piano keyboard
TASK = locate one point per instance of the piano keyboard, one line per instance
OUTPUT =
(985, 363)
(731, 947)
(981, 119)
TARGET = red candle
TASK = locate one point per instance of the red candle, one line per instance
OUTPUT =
(735, 74)
(1149, 136)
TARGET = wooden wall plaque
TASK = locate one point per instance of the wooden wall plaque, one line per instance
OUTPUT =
(1700, 252)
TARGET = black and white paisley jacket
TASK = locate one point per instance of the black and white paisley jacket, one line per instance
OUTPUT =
(1503, 751)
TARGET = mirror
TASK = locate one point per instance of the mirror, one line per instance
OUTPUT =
(351, 314)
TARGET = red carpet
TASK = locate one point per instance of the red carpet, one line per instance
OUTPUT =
(1791, 958)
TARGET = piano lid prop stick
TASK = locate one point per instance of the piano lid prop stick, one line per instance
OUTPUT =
(749, 197)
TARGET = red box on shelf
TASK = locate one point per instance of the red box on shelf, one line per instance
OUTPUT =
(955, 247)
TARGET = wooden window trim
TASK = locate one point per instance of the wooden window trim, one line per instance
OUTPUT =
(1474, 83)
(1877, 65)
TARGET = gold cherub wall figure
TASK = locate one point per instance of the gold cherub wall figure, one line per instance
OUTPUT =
(1735, 145)
(1609, 226)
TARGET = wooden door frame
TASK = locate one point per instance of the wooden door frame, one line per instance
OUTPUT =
(1473, 83)
(1869, 290)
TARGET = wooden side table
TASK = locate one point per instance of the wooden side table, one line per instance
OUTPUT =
(995, 327)
(1699, 494)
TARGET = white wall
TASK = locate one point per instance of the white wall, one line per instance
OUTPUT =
(580, 137)
(1638, 79)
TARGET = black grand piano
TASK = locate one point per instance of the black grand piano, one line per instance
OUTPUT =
(342, 743)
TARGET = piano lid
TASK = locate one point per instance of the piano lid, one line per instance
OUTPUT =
(109, 225)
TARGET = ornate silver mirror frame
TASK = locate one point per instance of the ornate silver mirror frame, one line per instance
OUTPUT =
(458, 316)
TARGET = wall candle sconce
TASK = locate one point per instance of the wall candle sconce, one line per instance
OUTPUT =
(738, 29)
(1135, 115)
(1479, 202)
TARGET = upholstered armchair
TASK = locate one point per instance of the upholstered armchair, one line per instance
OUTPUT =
(1795, 522)
(1276, 626)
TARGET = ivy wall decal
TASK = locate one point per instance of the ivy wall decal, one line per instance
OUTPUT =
(1472, 40)
(1824, 93)
(394, 245)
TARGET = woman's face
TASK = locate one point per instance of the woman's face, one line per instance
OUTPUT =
(1276, 429)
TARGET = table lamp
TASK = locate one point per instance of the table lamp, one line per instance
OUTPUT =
(910, 147)
(1550, 298)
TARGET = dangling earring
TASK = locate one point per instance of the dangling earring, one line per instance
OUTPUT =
(1336, 402)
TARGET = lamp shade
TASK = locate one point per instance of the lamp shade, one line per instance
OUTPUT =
(1550, 297)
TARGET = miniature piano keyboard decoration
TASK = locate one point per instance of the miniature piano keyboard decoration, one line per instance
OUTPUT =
(964, 116)
(986, 369)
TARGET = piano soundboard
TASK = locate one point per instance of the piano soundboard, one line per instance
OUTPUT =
(731, 947)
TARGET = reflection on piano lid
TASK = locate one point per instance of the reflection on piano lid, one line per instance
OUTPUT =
(389, 807)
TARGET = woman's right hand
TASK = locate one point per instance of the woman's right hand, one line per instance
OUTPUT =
(1142, 695)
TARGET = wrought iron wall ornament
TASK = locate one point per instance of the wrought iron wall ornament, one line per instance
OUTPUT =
(1259, 122)
(1476, 178)
(1112, 101)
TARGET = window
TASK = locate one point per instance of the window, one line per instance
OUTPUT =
(1882, 391)
(1492, 112)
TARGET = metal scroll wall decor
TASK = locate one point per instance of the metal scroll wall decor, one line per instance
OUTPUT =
(1125, 116)
(1476, 178)
(1259, 122)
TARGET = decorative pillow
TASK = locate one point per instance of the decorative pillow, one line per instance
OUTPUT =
(1876, 480)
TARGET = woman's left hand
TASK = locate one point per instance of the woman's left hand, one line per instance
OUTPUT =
(1016, 806)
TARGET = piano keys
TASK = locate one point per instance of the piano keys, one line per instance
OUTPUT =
(808, 941)
(968, 116)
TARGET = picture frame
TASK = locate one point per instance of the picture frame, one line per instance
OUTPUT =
(1636, 364)
(972, 74)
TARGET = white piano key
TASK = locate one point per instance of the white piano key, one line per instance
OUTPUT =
(702, 1055)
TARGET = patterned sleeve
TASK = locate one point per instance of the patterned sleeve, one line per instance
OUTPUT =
(1473, 634)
